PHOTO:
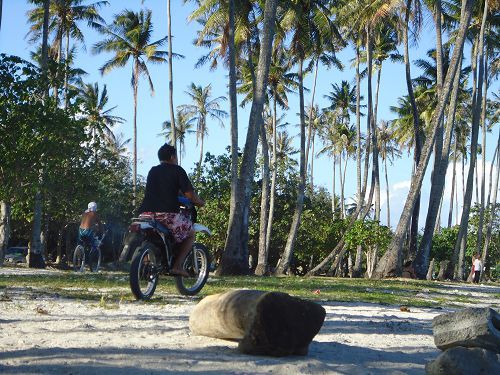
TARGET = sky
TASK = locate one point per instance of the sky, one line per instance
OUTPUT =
(153, 110)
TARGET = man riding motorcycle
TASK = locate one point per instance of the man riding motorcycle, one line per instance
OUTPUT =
(164, 183)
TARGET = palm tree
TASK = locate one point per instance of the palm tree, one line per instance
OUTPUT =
(203, 107)
(93, 104)
(389, 150)
(173, 132)
(343, 101)
(129, 38)
(310, 26)
(316, 119)
(441, 156)
(64, 18)
(390, 263)
(477, 103)
(235, 257)
(182, 128)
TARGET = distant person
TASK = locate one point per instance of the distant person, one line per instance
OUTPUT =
(470, 279)
(164, 183)
(89, 224)
(478, 266)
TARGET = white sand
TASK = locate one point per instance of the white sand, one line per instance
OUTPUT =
(78, 337)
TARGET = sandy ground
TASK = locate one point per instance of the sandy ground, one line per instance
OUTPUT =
(52, 335)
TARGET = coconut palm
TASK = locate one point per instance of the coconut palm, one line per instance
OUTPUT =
(65, 16)
(203, 107)
(308, 25)
(343, 101)
(182, 128)
(390, 263)
(317, 120)
(129, 38)
(441, 151)
(235, 257)
(93, 104)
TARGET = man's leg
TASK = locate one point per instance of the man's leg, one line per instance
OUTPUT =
(184, 248)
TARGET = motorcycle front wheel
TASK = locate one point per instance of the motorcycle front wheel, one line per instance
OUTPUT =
(79, 259)
(197, 265)
(144, 272)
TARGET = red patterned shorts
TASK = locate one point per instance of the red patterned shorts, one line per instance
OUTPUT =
(179, 224)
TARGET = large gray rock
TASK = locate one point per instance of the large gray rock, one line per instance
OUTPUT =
(464, 361)
(471, 327)
(269, 323)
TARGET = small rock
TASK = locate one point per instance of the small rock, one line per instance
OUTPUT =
(471, 327)
(464, 361)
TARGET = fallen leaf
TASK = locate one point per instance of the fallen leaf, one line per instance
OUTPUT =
(404, 308)
(317, 291)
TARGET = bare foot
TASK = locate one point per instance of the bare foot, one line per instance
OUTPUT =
(179, 272)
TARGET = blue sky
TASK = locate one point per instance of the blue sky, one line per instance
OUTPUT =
(153, 110)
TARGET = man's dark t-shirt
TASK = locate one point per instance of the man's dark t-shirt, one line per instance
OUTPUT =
(162, 188)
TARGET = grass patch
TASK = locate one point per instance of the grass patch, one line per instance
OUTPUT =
(109, 289)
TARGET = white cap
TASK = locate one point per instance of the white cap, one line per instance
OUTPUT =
(92, 206)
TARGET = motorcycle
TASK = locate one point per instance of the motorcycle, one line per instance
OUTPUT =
(155, 256)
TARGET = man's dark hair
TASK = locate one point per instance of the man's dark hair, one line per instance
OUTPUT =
(166, 152)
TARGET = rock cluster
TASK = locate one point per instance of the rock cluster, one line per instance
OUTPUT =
(470, 340)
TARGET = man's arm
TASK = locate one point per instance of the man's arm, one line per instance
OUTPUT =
(195, 198)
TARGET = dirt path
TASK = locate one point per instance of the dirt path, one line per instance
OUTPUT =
(47, 334)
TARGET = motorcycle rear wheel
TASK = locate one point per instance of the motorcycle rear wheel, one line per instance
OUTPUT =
(144, 272)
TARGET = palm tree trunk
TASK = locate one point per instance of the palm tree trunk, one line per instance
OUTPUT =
(459, 251)
(284, 265)
(463, 181)
(235, 257)
(377, 90)
(171, 77)
(233, 101)
(333, 185)
(358, 131)
(476, 184)
(311, 111)
(202, 141)
(312, 162)
(453, 183)
(421, 263)
(1, 7)
(440, 159)
(371, 124)
(66, 68)
(493, 205)
(377, 185)
(35, 259)
(342, 204)
(264, 207)
(416, 132)
(479, 244)
(343, 181)
(134, 169)
(5, 228)
(390, 264)
(387, 194)
(273, 179)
